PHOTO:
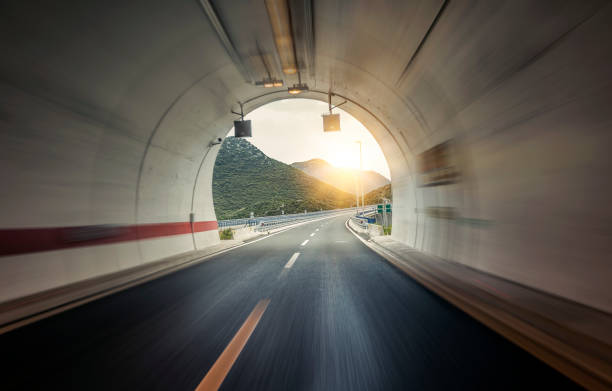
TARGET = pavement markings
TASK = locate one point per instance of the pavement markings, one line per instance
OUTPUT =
(312, 234)
(292, 260)
(317, 230)
(221, 367)
(304, 242)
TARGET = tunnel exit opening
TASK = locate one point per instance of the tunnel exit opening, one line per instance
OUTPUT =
(291, 165)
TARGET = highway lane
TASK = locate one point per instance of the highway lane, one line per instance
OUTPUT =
(339, 317)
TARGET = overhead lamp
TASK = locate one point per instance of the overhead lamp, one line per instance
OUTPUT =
(297, 89)
(278, 12)
(269, 83)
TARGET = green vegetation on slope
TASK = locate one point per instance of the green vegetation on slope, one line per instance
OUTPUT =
(375, 196)
(246, 180)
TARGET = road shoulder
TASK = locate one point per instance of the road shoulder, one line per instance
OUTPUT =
(538, 322)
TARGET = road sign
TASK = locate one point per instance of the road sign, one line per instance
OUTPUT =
(331, 122)
(379, 208)
(388, 208)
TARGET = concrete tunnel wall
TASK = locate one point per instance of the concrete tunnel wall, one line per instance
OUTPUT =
(108, 111)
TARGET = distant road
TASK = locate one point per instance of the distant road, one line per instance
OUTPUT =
(311, 308)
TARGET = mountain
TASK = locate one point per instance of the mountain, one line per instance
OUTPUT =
(374, 197)
(246, 180)
(342, 178)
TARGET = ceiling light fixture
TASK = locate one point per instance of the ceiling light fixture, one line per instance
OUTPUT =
(297, 89)
(269, 83)
(278, 12)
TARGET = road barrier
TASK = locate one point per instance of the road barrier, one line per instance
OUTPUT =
(268, 222)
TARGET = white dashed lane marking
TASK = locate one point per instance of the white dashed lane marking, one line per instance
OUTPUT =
(292, 260)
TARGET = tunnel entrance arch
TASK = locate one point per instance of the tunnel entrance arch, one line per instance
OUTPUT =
(290, 131)
(111, 129)
(353, 108)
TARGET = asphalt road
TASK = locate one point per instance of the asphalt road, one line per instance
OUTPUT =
(340, 318)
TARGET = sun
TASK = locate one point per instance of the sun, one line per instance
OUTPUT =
(343, 153)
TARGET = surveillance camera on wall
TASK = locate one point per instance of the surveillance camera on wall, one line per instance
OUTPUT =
(216, 141)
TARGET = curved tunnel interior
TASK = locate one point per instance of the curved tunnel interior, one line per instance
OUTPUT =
(493, 117)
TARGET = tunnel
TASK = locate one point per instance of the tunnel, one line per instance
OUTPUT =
(493, 116)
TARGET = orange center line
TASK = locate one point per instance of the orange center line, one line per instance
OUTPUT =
(221, 367)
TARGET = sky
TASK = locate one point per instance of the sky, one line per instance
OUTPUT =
(291, 130)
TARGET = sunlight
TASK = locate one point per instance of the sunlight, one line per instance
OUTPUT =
(291, 131)
(343, 153)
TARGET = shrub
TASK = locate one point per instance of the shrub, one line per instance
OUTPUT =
(226, 234)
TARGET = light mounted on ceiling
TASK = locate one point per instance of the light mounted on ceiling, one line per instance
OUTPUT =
(297, 89)
(269, 83)
(278, 12)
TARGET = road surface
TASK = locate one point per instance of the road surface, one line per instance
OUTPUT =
(336, 316)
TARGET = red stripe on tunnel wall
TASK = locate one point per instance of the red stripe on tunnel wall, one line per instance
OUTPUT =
(29, 240)
(201, 226)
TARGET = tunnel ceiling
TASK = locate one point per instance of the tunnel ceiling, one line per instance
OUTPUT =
(328, 34)
(338, 47)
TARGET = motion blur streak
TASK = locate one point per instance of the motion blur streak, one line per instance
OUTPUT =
(494, 117)
(341, 319)
(218, 372)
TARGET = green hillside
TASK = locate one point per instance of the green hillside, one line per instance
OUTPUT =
(374, 197)
(246, 180)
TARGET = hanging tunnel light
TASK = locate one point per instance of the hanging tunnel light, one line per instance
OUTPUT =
(297, 89)
(269, 83)
(278, 12)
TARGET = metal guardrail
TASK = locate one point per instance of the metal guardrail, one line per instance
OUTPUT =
(361, 222)
(267, 222)
(266, 225)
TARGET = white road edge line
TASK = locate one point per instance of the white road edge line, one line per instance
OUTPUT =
(305, 242)
(292, 260)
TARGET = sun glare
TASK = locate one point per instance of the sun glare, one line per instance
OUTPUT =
(292, 131)
(343, 153)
